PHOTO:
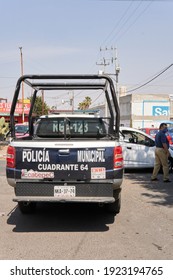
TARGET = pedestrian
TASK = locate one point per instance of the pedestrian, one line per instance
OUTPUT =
(161, 154)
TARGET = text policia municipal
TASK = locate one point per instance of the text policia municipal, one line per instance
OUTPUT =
(82, 156)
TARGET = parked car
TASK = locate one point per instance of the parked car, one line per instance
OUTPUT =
(139, 149)
(152, 131)
(21, 129)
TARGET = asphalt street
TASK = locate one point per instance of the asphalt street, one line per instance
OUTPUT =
(142, 230)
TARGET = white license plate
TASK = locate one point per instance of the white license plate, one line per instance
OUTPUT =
(64, 191)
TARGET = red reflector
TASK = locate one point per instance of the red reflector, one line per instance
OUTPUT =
(11, 157)
(118, 157)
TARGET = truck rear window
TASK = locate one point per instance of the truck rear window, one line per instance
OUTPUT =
(74, 127)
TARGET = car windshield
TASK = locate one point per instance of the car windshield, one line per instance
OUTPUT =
(21, 128)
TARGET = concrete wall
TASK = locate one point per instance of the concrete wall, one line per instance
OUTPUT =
(138, 110)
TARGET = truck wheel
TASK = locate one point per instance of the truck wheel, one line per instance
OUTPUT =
(114, 207)
(26, 207)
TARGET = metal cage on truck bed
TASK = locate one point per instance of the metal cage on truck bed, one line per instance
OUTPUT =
(68, 82)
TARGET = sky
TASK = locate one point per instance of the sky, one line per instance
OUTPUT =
(74, 37)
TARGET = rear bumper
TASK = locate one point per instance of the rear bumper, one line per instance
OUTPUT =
(63, 200)
(84, 192)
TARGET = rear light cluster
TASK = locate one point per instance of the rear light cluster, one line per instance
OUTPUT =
(11, 157)
(118, 157)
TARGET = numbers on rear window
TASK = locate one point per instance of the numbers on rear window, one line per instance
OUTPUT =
(74, 127)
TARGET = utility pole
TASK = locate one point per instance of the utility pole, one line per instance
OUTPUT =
(21, 65)
(112, 60)
(72, 101)
(103, 62)
(117, 70)
(108, 61)
(42, 93)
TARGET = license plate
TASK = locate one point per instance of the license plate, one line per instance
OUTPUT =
(64, 191)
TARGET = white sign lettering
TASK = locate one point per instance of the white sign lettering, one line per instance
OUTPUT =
(35, 156)
(69, 167)
(160, 112)
(90, 156)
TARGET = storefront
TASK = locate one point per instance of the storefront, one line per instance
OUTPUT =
(19, 112)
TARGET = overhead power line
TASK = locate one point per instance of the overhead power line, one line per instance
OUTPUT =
(155, 77)
(118, 23)
(132, 23)
(126, 22)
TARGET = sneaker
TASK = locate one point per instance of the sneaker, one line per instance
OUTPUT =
(167, 181)
(154, 179)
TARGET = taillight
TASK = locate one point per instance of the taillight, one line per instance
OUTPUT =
(11, 157)
(118, 157)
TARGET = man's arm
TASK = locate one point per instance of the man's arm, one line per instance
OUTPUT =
(165, 147)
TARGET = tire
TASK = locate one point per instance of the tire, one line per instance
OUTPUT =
(27, 207)
(114, 207)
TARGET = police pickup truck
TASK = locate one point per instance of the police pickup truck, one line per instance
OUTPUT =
(72, 157)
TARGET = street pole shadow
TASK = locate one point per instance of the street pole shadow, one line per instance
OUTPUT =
(52, 217)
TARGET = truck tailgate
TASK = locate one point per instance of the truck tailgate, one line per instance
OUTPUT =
(64, 164)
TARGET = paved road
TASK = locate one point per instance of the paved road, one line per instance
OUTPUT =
(143, 229)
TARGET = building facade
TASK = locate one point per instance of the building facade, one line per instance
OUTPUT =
(139, 110)
(5, 108)
(143, 110)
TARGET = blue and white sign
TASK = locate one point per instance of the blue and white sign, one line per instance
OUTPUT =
(160, 111)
